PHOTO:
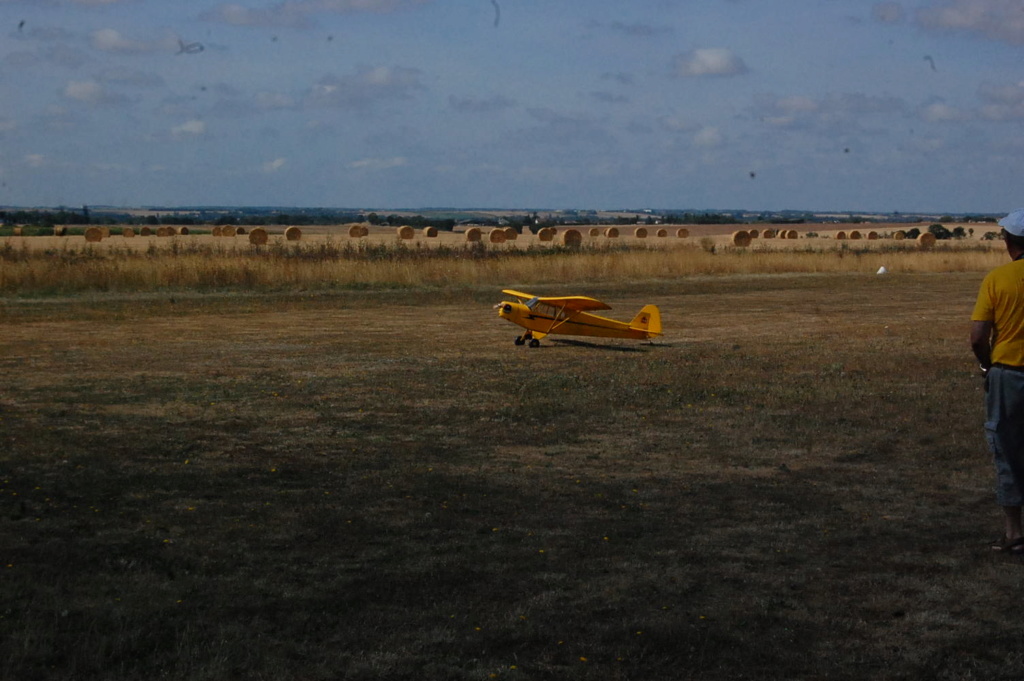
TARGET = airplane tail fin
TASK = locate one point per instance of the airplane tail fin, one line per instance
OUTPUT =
(648, 320)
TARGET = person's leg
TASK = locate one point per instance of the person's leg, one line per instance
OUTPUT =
(1004, 426)
(1013, 523)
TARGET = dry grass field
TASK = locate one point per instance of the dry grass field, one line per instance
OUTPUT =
(376, 484)
(48, 266)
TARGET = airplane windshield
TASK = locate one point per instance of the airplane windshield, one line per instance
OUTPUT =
(532, 302)
(549, 310)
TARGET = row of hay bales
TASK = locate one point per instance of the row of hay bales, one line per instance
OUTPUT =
(96, 234)
(257, 236)
(290, 233)
(569, 235)
(925, 239)
(745, 237)
(853, 235)
(500, 235)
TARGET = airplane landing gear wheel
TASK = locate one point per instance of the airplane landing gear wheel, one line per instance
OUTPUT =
(534, 343)
(520, 340)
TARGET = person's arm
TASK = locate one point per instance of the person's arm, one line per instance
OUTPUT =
(981, 343)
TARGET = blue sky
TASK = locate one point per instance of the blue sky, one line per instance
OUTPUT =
(755, 104)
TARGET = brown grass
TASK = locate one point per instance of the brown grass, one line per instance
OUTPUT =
(791, 484)
(216, 264)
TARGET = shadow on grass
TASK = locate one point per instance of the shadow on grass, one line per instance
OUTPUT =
(599, 346)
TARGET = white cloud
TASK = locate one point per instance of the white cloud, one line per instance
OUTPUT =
(111, 40)
(996, 19)
(90, 92)
(284, 15)
(295, 13)
(831, 115)
(940, 112)
(708, 62)
(367, 86)
(275, 165)
(192, 128)
(379, 163)
(1003, 102)
(708, 137)
(1002, 94)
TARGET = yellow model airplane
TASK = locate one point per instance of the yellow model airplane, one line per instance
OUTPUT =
(571, 316)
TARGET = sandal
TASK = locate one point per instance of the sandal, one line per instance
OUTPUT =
(1013, 547)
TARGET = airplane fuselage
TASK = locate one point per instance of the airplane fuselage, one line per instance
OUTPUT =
(546, 319)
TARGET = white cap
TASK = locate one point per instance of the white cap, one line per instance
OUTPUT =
(1014, 222)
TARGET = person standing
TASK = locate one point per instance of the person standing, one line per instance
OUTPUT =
(997, 339)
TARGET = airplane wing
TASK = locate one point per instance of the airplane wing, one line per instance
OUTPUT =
(571, 303)
(518, 294)
(575, 303)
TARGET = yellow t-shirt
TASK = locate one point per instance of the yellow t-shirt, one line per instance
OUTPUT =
(1001, 301)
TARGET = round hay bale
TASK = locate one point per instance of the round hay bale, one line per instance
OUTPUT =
(430, 232)
(128, 232)
(612, 232)
(741, 238)
(926, 240)
(899, 235)
(146, 231)
(216, 231)
(60, 230)
(228, 230)
(240, 231)
(473, 234)
(792, 234)
(496, 236)
(405, 232)
(16, 231)
(572, 238)
(184, 230)
(547, 234)
(640, 232)
(768, 234)
(594, 231)
(683, 233)
(511, 234)
(258, 236)
(293, 234)
(356, 230)
(855, 235)
(840, 235)
(662, 233)
(754, 234)
(94, 234)
(872, 236)
(164, 231)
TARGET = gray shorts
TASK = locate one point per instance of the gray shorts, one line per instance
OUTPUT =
(1004, 428)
